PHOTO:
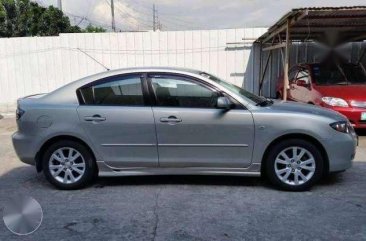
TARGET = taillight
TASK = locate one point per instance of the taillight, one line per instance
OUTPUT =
(19, 113)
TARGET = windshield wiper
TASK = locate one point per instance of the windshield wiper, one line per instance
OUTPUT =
(265, 102)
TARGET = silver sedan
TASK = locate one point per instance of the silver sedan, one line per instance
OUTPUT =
(170, 121)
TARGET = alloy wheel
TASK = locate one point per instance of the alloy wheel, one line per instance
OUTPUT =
(295, 165)
(67, 165)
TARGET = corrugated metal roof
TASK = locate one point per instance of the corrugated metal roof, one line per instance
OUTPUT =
(312, 24)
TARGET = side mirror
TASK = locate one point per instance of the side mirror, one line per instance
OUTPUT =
(224, 103)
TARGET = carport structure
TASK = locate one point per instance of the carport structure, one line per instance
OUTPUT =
(330, 26)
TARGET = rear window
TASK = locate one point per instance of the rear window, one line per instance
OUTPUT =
(122, 91)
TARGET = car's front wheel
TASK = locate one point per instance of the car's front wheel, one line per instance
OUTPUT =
(68, 165)
(294, 165)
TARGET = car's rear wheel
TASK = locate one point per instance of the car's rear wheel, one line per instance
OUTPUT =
(68, 165)
(294, 165)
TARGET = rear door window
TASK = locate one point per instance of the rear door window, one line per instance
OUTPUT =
(118, 91)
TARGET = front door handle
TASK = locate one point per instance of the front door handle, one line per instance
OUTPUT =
(170, 119)
(96, 118)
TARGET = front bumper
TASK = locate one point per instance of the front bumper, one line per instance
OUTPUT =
(341, 150)
(24, 147)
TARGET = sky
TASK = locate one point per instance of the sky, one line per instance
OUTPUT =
(186, 14)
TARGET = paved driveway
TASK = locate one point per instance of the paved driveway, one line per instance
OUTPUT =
(188, 208)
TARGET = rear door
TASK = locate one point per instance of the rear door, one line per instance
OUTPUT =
(119, 121)
(192, 132)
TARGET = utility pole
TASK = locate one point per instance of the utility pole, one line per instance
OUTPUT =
(156, 21)
(113, 21)
(154, 18)
(59, 4)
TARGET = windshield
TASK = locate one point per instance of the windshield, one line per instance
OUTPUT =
(338, 74)
(237, 90)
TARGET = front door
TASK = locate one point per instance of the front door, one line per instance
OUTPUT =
(192, 132)
(118, 122)
(299, 88)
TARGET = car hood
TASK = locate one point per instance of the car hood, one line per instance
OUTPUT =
(346, 92)
(295, 107)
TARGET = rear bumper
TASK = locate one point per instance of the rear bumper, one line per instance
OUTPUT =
(353, 114)
(24, 147)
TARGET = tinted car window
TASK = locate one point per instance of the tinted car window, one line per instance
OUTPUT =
(328, 74)
(176, 91)
(122, 91)
(341, 74)
(354, 73)
(237, 90)
(303, 75)
(292, 74)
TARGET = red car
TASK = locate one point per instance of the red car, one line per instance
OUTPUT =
(340, 87)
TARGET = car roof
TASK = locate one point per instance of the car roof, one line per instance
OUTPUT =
(132, 70)
(152, 69)
(67, 91)
(110, 73)
(66, 95)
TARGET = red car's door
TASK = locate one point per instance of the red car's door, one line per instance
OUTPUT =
(292, 79)
(299, 86)
(303, 86)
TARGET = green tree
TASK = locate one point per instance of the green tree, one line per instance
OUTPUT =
(94, 29)
(19, 18)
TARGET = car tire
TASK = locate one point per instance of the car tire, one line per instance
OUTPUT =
(78, 169)
(297, 172)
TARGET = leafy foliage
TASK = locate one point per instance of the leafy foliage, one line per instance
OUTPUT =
(93, 29)
(20, 18)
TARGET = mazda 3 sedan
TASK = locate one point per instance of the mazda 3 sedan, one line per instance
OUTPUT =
(170, 121)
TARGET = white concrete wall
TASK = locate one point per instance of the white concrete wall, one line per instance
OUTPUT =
(41, 64)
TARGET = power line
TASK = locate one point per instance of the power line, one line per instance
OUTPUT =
(156, 18)
(103, 24)
(124, 13)
(94, 21)
(80, 18)
(172, 17)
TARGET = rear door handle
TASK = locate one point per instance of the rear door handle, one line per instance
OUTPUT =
(170, 119)
(96, 118)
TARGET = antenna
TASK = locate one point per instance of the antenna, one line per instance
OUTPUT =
(93, 59)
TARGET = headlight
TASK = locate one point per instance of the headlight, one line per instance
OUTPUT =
(332, 101)
(361, 104)
(342, 126)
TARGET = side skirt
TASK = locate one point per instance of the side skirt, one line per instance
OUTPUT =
(106, 171)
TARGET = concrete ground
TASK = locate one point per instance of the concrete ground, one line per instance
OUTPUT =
(187, 208)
